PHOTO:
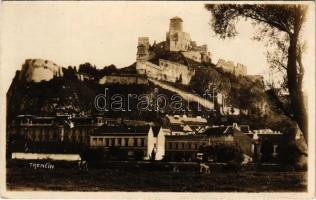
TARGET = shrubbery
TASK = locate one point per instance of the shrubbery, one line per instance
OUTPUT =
(92, 154)
(291, 156)
(228, 153)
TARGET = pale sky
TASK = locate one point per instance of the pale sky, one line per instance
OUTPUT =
(104, 33)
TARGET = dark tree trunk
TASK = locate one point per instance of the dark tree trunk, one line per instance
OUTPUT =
(295, 86)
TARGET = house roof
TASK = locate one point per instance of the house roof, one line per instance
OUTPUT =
(243, 129)
(176, 127)
(187, 128)
(126, 129)
(156, 130)
(215, 131)
(186, 120)
(123, 129)
(125, 75)
(191, 137)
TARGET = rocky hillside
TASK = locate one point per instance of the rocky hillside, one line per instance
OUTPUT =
(68, 94)
(242, 92)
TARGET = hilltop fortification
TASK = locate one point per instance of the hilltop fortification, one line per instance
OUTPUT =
(38, 70)
(179, 43)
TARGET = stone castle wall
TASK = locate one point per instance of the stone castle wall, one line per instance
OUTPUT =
(149, 69)
(38, 70)
(240, 70)
(230, 67)
(178, 41)
(193, 55)
(143, 52)
(176, 72)
(123, 79)
(176, 38)
(166, 71)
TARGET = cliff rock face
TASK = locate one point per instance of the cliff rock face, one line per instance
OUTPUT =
(38, 70)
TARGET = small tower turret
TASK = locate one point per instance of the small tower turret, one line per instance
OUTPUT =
(175, 25)
(143, 48)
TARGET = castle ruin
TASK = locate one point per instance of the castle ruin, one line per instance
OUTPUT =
(230, 67)
(38, 70)
(176, 41)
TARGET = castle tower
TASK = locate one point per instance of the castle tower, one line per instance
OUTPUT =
(177, 40)
(175, 25)
(143, 48)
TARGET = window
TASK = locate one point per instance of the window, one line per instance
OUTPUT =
(83, 136)
(36, 135)
(142, 142)
(94, 142)
(50, 135)
(110, 142)
(119, 143)
(100, 141)
(135, 142)
(124, 141)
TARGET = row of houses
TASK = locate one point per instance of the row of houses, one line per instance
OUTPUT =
(178, 134)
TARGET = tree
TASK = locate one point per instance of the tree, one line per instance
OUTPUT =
(281, 23)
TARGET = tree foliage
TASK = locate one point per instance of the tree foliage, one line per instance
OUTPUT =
(280, 26)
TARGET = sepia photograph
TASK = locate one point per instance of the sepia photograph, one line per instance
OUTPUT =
(157, 100)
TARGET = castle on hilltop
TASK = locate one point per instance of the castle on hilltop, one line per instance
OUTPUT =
(179, 42)
(38, 70)
(176, 41)
(230, 67)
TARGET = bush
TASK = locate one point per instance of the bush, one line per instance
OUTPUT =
(232, 166)
(94, 155)
(116, 153)
(290, 155)
(139, 155)
(229, 154)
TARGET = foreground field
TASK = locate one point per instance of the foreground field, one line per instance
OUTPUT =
(122, 178)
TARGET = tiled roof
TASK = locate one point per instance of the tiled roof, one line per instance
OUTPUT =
(156, 130)
(243, 129)
(215, 131)
(109, 130)
(192, 137)
(186, 120)
(176, 128)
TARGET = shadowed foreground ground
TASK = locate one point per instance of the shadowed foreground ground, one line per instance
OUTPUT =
(125, 179)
